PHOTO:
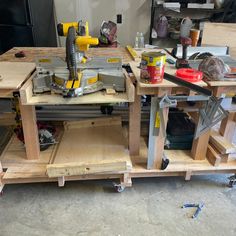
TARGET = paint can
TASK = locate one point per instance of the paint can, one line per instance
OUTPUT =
(152, 67)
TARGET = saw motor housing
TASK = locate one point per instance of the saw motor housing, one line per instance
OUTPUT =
(77, 75)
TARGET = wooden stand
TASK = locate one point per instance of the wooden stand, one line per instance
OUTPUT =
(96, 149)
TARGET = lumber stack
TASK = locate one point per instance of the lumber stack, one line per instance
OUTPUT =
(219, 149)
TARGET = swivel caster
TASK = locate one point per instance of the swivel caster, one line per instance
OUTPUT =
(119, 187)
(232, 181)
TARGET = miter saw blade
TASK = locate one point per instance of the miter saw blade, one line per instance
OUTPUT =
(71, 53)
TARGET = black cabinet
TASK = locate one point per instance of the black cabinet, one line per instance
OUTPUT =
(27, 23)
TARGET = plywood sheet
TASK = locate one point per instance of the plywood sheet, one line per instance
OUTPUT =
(13, 74)
(14, 155)
(219, 34)
(88, 150)
(32, 52)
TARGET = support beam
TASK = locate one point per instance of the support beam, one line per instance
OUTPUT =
(228, 126)
(199, 147)
(61, 181)
(28, 117)
(134, 125)
(188, 175)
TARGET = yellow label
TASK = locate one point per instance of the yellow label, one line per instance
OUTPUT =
(158, 120)
(92, 80)
(155, 61)
(113, 60)
(45, 60)
(69, 84)
(76, 84)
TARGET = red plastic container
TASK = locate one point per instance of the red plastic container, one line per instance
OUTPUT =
(190, 75)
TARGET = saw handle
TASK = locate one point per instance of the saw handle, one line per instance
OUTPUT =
(83, 42)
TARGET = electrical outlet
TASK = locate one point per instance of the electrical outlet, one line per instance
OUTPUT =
(119, 19)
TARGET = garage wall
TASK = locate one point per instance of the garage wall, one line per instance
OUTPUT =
(135, 15)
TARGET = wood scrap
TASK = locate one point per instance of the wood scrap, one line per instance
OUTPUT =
(213, 156)
(221, 144)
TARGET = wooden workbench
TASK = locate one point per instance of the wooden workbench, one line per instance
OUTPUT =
(23, 167)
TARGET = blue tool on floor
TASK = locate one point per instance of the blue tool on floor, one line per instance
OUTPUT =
(198, 206)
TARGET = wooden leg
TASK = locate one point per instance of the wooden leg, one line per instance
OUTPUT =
(28, 117)
(188, 175)
(156, 142)
(126, 180)
(134, 126)
(228, 126)
(61, 181)
(199, 147)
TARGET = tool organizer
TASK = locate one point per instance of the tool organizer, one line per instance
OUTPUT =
(108, 151)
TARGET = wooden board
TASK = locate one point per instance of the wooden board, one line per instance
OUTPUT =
(219, 34)
(33, 52)
(213, 156)
(91, 149)
(88, 123)
(221, 144)
(13, 74)
(7, 119)
(27, 97)
(214, 83)
(228, 126)
(181, 164)
(153, 88)
(14, 155)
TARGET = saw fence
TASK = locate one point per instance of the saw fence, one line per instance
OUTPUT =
(103, 148)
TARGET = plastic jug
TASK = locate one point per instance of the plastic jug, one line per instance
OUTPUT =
(162, 27)
(185, 27)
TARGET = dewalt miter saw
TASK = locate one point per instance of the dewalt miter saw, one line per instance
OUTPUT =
(77, 75)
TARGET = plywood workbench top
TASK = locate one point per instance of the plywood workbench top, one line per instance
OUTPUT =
(14, 74)
(32, 52)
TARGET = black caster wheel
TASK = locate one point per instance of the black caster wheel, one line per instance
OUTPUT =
(232, 181)
(1, 193)
(231, 184)
(118, 188)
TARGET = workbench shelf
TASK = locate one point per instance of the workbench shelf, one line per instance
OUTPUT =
(17, 169)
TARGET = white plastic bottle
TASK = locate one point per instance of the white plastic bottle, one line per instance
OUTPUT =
(141, 40)
(136, 43)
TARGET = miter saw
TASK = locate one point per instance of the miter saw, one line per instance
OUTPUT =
(77, 74)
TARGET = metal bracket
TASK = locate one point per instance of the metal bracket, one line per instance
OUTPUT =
(210, 115)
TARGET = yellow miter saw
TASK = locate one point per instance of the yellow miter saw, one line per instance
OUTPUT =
(77, 75)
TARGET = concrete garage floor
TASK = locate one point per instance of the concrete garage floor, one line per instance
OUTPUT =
(151, 207)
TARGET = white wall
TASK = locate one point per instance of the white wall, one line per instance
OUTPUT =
(135, 15)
